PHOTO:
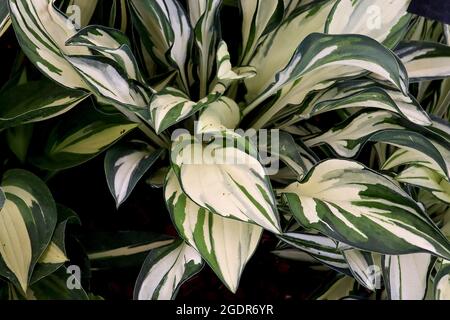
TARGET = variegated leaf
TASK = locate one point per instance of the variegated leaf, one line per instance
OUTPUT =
(108, 250)
(55, 254)
(42, 32)
(406, 276)
(54, 287)
(204, 17)
(341, 288)
(225, 244)
(225, 177)
(259, 17)
(125, 164)
(166, 33)
(26, 103)
(171, 106)
(165, 270)
(435, 157)
(276, 50)
(441, 281)
(109, 82)
(384, 21)
(320, 60)
(220, 115)
(348, 138)
(5, 20)
(425, 60)
(27, 222)
(111, 44)
(321, 248)
(365, 267)
(428, 179)
(363, 94)
(353, 204)
(87, 8)
(78, 139)
(225, 71)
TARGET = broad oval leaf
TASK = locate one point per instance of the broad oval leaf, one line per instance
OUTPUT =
(226, 244)
(220, 115)
(27, 221)
(226, 178)
(353, 204)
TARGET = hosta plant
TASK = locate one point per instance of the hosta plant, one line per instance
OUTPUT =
(321, 124)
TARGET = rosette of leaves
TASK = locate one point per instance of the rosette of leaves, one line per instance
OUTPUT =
(356, 90)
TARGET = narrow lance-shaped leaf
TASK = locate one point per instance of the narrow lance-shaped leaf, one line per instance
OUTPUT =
(110, 43)
(109, 250)
(5, 20)
(166, 33)
(363, 94)
(204, 16)
(365, 267)
(55, 254)
(225, 177)
(27, 221)
(125, 164)
(415, 153)
(428, 179)
(226, 244)
(170, 106)
(406, 276)
(350, 203)
(321, 248)
(26, 103)
(320, 60)
(165, 270)
(348, 138)
(277, 49)
(80, 138)
(425, 60)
